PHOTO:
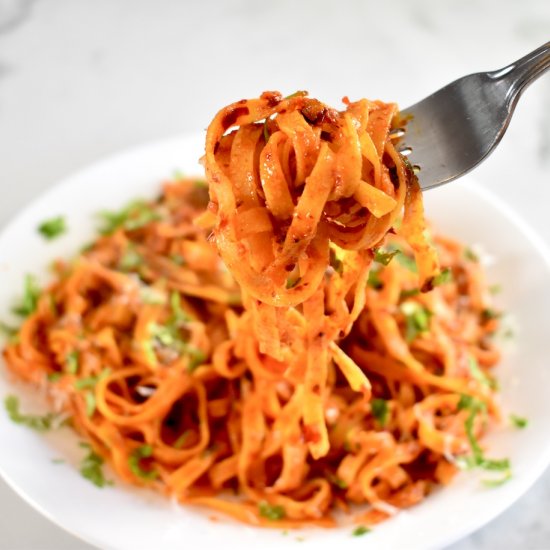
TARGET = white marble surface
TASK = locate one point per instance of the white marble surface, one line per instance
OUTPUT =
(80, 79)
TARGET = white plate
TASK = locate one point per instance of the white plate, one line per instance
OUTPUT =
(122, 517)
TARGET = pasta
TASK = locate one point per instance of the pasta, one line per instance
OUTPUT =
(314, 373)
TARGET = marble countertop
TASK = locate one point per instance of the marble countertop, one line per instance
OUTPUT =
(81, 79)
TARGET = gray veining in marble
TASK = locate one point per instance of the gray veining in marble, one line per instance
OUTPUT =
(80, 79)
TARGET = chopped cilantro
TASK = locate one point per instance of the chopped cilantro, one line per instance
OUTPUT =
(38, 423)
(29, 302)
(152, 295)
(336, 481)
(477, 458)
(443, 277)
(54, 376)
(89, 382)
(71, 362)
(478, 374)
(336, 261)
(296, 94)
(384, 258)
(182, 439)
(134, 216)
(130, 260)
(405, 260)
(271, 511)
(91, 467)
(519, 421)
(360, 530)
(178, 259)
(417, 319)
(9, 332)
(469, 254)
(380, 411)
(409, 293)
(89, 398)
(52, 228)
(374, 279)
(179, 316)
(134, 462)
(291, 282)
(489, 314)
(498, 481)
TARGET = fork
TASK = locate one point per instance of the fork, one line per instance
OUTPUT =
(451, 131)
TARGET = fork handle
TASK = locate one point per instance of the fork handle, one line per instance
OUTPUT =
(518, 75)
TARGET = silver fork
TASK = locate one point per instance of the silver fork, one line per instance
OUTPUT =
(453, 130)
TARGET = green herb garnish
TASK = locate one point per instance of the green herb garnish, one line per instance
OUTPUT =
(409, 293)
(50, 229)
(178, 259)
(417, 319)
(380, 411)
(469, 254)
(519, 421)
(71, 362)
(9, 332)
(134, 462)
(360, 530)
(488, 314)
(182, 439)
(477, 459)
(131, 259)
(495, 289)
(291, 282)
(443, 277)
(89, 398)
(374, 280)
(91, 467)
(271, 511)
(38, 423)
(479, 375)
(384, 258)
(29, 302)
(89, 382)
(179, 315)
(134, 216)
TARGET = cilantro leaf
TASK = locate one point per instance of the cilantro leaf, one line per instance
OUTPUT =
(384, 258)
(360, 530)
(89, 398)
(52, 228)
(478, 374)
(519, 421)
(469, 254)
(9, 332)
(89, 382)
(134, 216)
(91, 467)
(291, 282)
(134, 462)
(443, 277)
(38, 423)
(380, 411)
(29, 302)
(271, 511)
(130, 260)
(71, 362)
(374, 280)
(417, 319)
